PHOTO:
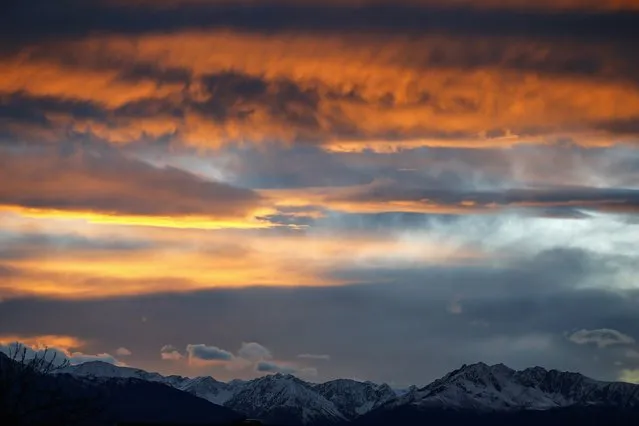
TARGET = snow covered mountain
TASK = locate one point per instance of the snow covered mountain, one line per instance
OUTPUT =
(284, 400)
(478, 388)
(210, 389)
(280, 399)
(353, 398)
(105, 370)
(204, 387)
(91, 397)
(481, 387)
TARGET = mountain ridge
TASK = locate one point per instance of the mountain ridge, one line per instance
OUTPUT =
(477, 388)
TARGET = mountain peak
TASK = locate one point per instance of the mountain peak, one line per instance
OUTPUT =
(96, 363)
(497, 387)
(483, 367)
(354, 398)
(279, 398)
(478, 373)
(101, 369)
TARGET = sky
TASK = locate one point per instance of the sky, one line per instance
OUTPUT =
(369, 189)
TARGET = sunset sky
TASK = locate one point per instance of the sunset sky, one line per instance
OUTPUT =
(371, 189)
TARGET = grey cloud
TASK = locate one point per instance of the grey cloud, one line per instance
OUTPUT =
(601, 337)
(457, 171)
(30, 244)
(632, 354)
(122, 351)
(295, 167)
(271, 367)
(320, 357)
(208, 353)
(254, 352)
(170, 353)
(79, 358)
(587, 198)
(279, 368)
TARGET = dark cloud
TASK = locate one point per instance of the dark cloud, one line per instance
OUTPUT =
(235, 95)
(111, 183)
(147, 71)
(19, 107)
(625, 126)
(271, 367)
(74, 18)
(604, 199)
(288, 220)
(208, 353)
(283, 368)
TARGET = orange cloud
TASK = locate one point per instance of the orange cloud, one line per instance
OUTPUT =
(174, 221)
(349, 92)
(25, 74)
(65, 343)
(186, 260)
(110, 188)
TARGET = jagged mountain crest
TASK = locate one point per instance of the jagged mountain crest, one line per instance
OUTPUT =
(101, 369)
(354, 398)
(498, 387)
(208, 388)
(284, 399)
(288, 400)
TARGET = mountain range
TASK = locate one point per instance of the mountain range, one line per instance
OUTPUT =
(98, 393)
(480, 393)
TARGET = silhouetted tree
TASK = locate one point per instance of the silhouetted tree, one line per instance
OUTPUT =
(31, 393)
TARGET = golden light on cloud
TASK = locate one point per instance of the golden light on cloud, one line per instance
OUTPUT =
(178, 262)
(65, 343)
(177, 222)
(51, 79)
(296, 87)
